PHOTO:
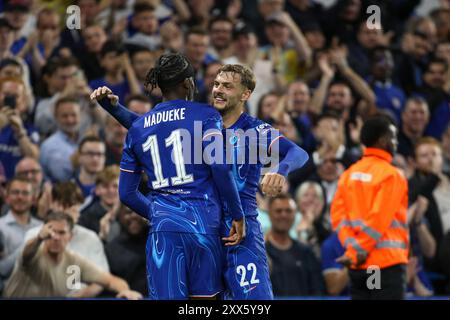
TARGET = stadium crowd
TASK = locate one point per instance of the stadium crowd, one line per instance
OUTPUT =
(320, 72)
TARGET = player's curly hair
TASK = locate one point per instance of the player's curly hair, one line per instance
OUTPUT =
(170, 70)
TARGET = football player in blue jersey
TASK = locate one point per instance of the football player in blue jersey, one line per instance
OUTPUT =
(185, 205)
(246, 270)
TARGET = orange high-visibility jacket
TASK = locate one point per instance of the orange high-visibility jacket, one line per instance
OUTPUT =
(369, 211)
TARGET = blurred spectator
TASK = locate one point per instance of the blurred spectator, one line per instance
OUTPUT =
(7, 39)
(44, 42)
(287, 128)
(446, 151)
(367, 39)
(16, 68)
(298, 104)
(314, 36)
(429, 181)
(57, 150)
(329, 157)
(305, 12)
(293, 265)
(18, 138)
(441, 18)
(264, 10)
(389, 96)
(72, 38)
(415, 117)
(200, 12)
(105, 199)
(18, 220)
(288, 57)
(63, 78)
(67, 198)
(30, 169)
(17, 13)
(423, 244)
(43, 267)
(417, 44)
(114, 134)
(91, 160)
(125, 252)
(171, 36)
(2, 188)
(221, 32)
(195, 48)
(10, 68)
(341, 20)
(142, 60)
(210, 75)
(245, 52)
(138, 103)
(146, 24)
(340, 97)
(94, 37)
(314, 226)
(119, 76)
(114, 16)
(267, 105)
(433, 90)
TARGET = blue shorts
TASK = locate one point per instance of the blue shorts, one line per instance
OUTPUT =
(184, 265)
(246, 272)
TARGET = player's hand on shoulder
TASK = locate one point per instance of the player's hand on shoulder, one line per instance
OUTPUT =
(102, 92)
(272, 184)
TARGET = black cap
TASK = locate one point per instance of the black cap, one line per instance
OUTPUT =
(17, 5)
(112, 46)
(5, 24)
(310, 26)
(241, 28)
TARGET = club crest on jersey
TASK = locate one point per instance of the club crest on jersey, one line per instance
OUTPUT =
(263, 128)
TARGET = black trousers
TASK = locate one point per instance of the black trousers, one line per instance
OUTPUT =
(390, 285)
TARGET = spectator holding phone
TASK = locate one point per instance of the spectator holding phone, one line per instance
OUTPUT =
(18, 137)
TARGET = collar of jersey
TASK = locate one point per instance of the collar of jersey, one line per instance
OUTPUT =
(378, 153)
(168, 103)
(239, 121)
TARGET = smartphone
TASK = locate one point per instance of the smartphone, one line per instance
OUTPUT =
(9, 101)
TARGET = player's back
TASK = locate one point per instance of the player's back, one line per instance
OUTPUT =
(168, 144)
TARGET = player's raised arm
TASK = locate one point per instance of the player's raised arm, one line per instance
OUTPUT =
(110, 102)
(291, 157)
(130, 177)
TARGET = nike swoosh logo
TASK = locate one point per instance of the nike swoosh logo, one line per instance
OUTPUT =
(248, 290)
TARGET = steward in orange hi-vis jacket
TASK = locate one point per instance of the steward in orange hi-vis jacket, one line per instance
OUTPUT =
(369, 210)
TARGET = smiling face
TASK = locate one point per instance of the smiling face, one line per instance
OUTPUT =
(19, 196)
(228, 92)
(282, 215)
(429, 157)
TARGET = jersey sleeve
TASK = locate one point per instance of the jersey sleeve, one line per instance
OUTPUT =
(220, 170)
(129, 161)
(124, 116)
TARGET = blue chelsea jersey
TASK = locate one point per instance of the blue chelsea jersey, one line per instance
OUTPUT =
(251, 140)
(166, 143)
